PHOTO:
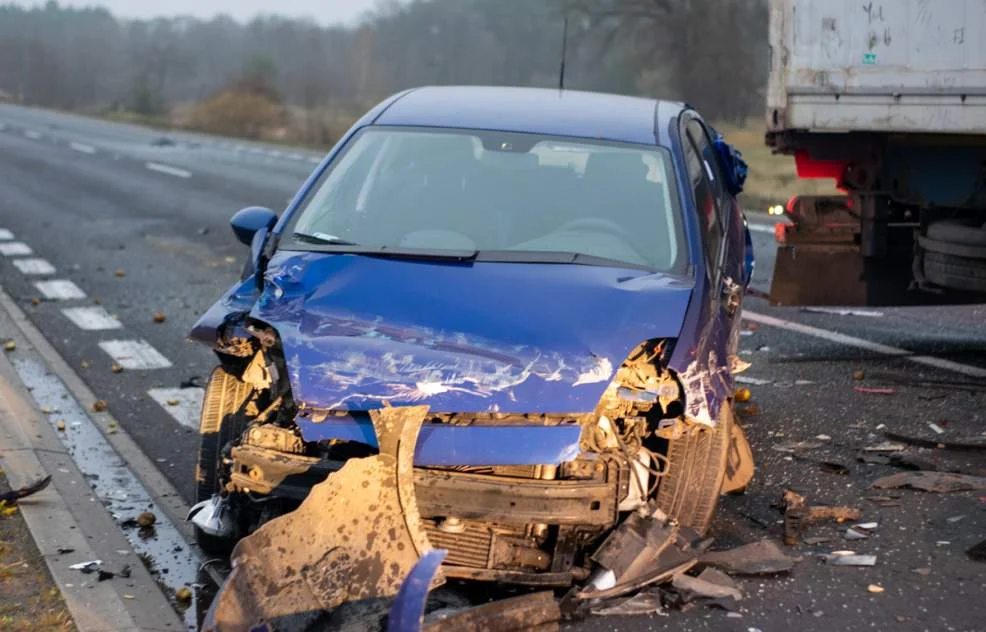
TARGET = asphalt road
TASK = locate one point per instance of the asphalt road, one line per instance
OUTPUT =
(140, 226)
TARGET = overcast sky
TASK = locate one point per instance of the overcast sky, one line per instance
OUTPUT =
(324, 11)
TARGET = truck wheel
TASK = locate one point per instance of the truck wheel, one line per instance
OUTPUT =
(955, 254)
(689, 491)
(957, 273)
(224, 394)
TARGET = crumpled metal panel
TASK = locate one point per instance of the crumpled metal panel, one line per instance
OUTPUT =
(355, 537)
(483, 337)
(445, 444)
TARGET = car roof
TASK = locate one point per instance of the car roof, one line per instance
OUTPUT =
(535, 110)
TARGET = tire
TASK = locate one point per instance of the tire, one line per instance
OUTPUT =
(969, 232)
(689, 491)
(224, 394)
(956, 273)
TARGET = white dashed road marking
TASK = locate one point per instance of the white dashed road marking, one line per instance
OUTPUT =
(6, 234)
(60, 290)
(33, 135)
(184, 404)
(135, 354)
(85, 149)
(859, 343)
(15, 249)
(93, 318)
(171, 171)
(34, 266)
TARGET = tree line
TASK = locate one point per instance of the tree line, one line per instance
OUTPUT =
(712, 53)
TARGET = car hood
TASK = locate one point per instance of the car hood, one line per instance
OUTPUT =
(460, 337)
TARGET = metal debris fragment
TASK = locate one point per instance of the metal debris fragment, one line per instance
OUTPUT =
(936, 482)
(935, 444)
(759, 558)
(871, 390)
(648, 602)
(710, 584)
(849, 558)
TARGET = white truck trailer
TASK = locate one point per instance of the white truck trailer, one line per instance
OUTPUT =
(888, 99)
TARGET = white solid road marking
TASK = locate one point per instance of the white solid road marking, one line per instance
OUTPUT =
(171, 171)
(859, 343)
(6, 234)
(184, 404)
(60, 290)
(33, 135)
(85, 149)
(15, 249)
(135, 354)
(34, 266)
(94, 318)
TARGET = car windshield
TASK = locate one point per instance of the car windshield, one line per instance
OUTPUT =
(497, 196)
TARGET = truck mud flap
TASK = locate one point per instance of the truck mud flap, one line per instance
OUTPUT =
(818, 274)
(354, 539)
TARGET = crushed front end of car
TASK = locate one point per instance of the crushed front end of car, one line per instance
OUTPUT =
(512, 491)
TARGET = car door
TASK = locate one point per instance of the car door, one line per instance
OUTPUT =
(719, 333)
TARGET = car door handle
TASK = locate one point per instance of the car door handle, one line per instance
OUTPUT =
(732, 295)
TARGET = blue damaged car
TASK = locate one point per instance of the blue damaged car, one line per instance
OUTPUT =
(556, 276)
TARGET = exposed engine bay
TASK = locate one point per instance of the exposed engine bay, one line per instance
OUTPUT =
(548, 524)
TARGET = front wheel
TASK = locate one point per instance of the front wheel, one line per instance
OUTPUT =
(689, 490)
(219, 424)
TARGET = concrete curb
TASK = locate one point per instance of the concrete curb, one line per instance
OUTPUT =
(64, 516)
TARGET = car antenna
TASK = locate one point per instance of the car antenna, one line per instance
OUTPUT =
(564, 47)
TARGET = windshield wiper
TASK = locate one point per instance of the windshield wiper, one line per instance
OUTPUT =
(322, 238)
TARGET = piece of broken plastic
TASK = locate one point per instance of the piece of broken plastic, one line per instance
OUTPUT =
(759, 558)
(849, 558)
(408, 609)
(937, 482)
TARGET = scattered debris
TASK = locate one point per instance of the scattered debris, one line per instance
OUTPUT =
(886, 446)
(884, 501)
(849, 558)
(742, 395)
(86, 567)
(60, 426)
(954, 519)
(173, 402)
(797, 515)
(99, 406)
(192, 382)
(977, 552)
(120, 273)
(873, 390)
(111, 427)
(146, 519)
(103, 574)
(853, 534)
(937, 482)
(858, 376)
(159, 317)
(35, 301)
(759, 558)
(936, 428)
(9, 345)
(814, 541)
(710, 584)
(230, 259)
(940, 445)
(874, 588)
(16, 494)
(648, 602)
(868, 526)
(750, 410)
(753, 381)
(842, 312)
(84, 364)
(794, 446)
(116, 368)
(183, 594)
(925, 571)
(62, 550)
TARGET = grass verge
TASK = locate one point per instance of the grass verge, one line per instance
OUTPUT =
(29, 598)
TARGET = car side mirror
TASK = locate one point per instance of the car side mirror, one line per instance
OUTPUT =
(251, 220)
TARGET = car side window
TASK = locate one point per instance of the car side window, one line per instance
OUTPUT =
(706, 202)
